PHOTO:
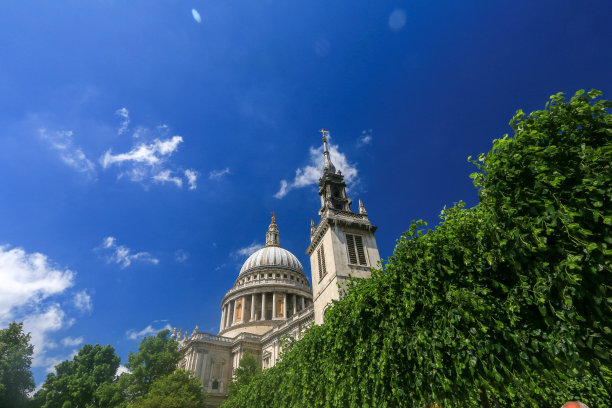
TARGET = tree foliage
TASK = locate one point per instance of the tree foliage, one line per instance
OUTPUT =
(75, 382)
(248, 368)
(508, 302)
(157, 357)
(16, 379)
(153, 381)
(176, 390)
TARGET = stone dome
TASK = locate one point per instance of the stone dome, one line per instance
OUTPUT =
(272, 257)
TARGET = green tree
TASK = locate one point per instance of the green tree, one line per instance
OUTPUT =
(113, 394)
(244, 374)
(509, 302)
(16, 379)
(75, 382)
(157, 357)
(176, 390)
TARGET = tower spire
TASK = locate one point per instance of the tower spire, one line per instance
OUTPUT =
(328, 166)
(273, 236)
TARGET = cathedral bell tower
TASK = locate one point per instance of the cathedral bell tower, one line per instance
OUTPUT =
(342, 244)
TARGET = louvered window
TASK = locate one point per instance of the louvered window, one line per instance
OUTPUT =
(356, 253)
(321, 259)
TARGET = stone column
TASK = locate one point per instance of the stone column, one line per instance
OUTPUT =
(222, 318)
(294, 303)
(263, 306)
(194, 360)
(232, 311)
(252, 307)
(285, 306)
(203, 368)
(273, 305)
(243, 311)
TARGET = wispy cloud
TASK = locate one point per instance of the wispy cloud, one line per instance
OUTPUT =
(123, 256)
(124, 114)
(149, 161)
(72, 341)
(82, 301)
(192, 178)
(148, 154)
(165, 176)
(71, 155)
(134, 334)
(218, 174)
(365, 138)
(180, 255)
(50, 362)
(310, 173)
(247, 250)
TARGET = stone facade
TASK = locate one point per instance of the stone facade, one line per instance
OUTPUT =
(272, 298)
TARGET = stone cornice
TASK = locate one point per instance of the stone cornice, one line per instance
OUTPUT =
(341, 218)
(300, 317)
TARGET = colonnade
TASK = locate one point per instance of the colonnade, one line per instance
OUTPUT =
(262, 306)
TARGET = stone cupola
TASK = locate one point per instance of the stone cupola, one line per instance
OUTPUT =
(273, 235)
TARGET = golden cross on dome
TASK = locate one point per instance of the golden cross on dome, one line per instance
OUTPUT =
(273, 217)
(324, 132)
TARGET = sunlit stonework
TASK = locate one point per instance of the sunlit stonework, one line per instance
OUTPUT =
(272, 298)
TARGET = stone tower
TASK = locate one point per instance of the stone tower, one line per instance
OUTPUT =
(342, 245)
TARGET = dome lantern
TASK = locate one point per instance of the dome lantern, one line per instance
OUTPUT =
(273, 236)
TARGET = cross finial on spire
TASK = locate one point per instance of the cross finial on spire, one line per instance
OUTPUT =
(273, 217)
(324, 132)
(328, 167)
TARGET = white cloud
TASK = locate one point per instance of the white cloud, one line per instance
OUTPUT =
(124, 114)
(28, 278)
(192, 178)
(28, 282)
(40, 324)
(122, 370)
(72, 341)
(145, 153)
(149, 161)
(70, 154)
(50, 362)
(310, 174)
(82, 301)
(180, 256)
(218, 174)
(365, 138)
(123, 256)
(134, 334)
(247, 250)
(166, 177)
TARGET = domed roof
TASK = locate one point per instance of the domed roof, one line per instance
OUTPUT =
(272, 257)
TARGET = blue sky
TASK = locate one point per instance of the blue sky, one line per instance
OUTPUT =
(142, 150)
